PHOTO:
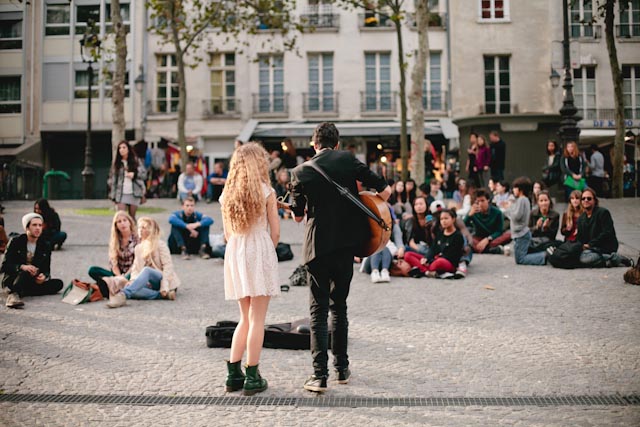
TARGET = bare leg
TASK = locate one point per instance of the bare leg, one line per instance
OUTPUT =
(257, 314)
(132, 211)
(239, 341)
(121, 207)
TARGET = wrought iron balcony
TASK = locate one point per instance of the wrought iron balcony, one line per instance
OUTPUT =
(162, 106)
(321, 20)
(436, 20)
(585, 31)
(219, 107)
(320, 104)
(628, 31)
(372, 20)
(383, 103)
(271, 104)
(434, 101)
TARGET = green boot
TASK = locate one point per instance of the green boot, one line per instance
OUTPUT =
(253, 383)
(235, 377)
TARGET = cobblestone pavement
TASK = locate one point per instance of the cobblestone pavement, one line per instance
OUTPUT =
(504, 331)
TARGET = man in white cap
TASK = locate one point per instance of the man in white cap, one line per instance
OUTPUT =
(27, 264)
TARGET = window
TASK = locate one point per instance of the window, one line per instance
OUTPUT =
(11, 33)
(10, 102)
(630, 20)
(631, 91)
(580, 18)
(378, 95)
(81, 88)
(432, 85)
(584, 91)
(167, 84)
(108, 79)
(494, 10)
(321, 96)
(84, 14)
(497, 95)
(271, 97)
(124, 12)
(58, 18)
(223, 83)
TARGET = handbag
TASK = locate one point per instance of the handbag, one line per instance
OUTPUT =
(566, 256)
(283, 250)
(399, 268)
(570, 182)
(299, 276)
(632, 275)
(79, 292)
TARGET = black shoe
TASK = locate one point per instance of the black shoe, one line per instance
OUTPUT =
(416, 273)
(317, 384)
(626, 261)
(498, 250)
(343, 376)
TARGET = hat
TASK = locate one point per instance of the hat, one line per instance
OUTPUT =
(28, 217)
(436, 205)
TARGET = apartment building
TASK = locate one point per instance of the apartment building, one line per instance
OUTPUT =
(490, 67)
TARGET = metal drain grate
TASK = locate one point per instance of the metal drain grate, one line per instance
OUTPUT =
(320, 401)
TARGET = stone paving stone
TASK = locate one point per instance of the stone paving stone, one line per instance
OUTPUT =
(540, 332)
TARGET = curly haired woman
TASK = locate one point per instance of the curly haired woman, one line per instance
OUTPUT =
(252, 230)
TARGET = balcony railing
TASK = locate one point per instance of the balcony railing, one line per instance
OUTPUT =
(220, 107)
(435, 101)
(271, 104)
(628, 31)
(378, 102)
(436, 20)
(585, 31)
(374, 20)
(320, 104)
(162, 106)
(321, 20)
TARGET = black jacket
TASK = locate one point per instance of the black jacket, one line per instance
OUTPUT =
(17, 255)
(333, 222)
(598, 231)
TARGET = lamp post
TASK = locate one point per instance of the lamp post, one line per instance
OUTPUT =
(89, 50)
(569, 130)
(139, 83)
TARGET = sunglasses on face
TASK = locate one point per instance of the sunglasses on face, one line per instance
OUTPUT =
(588, 199)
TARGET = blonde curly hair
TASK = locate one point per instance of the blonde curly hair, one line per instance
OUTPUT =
(150, 244)
(243, 202)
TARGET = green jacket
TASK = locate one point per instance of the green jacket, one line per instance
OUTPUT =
(485, 225)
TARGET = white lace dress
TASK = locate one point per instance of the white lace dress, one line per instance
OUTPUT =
(250, 261)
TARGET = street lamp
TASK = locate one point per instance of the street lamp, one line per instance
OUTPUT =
(555, 78)
(569, 130)
(139, 84)
(90, 52)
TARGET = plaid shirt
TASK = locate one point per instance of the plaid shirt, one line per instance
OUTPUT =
(126, 255)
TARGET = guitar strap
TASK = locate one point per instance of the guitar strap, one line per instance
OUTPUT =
(344, 192)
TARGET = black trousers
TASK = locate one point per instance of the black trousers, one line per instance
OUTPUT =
(329, 288)
(24, 285)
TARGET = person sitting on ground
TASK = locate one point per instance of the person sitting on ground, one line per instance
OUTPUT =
(543, 223)
(487, 223)
(152, 273)
(51, 227)
(282, 191)
(415, 231)
(518, 214)
(189, 183)
(597, 234)
(399, 201)
(435, 191)
(190, 230)
(503, 197)
(435, 208)
(462, 198)
(569, 224)
(411, 190)
(122, 244)
(4, 239)
(215, 182)
(27, 264)
(444, 255)
(378, 264)
(538, 186)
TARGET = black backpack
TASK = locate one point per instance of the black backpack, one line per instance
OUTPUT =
(566, 256)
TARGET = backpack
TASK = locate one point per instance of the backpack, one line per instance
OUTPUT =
(566, 256)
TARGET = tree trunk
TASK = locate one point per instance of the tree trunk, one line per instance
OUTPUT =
(117, 84)
(616, 74)
(415, 95)
(182, 87)
(403, 103)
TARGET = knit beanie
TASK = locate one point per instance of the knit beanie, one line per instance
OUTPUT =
(27, 219)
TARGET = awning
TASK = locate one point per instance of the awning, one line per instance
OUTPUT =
(362, 128)
(594, 136)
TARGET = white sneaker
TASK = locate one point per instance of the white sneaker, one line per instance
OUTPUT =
(362, 264)
(14, 301)
(384, 276)
(375, 276)
(461, 272)
(507, 250)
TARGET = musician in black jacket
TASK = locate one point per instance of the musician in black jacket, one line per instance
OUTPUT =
(334, 228)
(27, 264)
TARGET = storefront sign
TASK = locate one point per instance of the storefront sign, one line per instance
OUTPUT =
(628, 123)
